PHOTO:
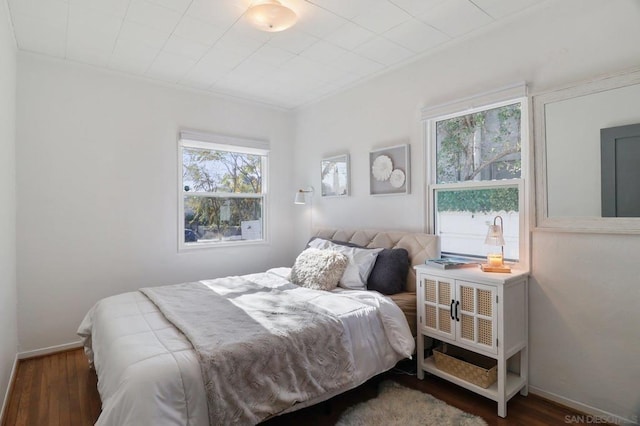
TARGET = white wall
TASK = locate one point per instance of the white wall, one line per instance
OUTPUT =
(556, 43)
(97, 190)
(8, 319)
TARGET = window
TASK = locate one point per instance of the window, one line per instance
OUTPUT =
(477, 173)
(222, 190)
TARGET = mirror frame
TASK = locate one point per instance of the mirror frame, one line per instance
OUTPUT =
(589, 224)
(343, 158)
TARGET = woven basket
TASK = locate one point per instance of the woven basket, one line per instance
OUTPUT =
(466, 365)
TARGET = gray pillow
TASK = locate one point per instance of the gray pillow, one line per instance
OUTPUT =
(389, 274)
(318, 269)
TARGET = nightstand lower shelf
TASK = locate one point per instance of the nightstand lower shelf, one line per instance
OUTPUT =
(513, 383)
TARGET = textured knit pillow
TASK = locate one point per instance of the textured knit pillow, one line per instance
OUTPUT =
(361, 261)
(318, 269)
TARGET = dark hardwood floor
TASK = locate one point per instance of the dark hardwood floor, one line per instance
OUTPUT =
(60, 389)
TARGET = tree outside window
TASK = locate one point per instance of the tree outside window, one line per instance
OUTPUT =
(223, 194)
(478, 169)
(484, 145)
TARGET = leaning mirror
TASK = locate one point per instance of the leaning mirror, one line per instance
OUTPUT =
(575, 155)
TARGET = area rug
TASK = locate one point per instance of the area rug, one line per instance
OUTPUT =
(401, 406)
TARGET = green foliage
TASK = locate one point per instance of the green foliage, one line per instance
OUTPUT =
(471, 144)
(222, 171)
(478, 200)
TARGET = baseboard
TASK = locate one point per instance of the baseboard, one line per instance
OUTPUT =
(599, 416)
(7, 394)
(49, 350)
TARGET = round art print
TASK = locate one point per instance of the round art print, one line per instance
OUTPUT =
(397, 178)
(382, 167)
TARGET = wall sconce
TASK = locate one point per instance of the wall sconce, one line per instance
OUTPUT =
(495, 237)
(270, 16)
(301, 195)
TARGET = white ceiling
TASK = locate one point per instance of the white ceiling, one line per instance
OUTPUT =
(208, 45)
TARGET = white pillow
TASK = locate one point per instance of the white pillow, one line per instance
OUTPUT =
(318, 269)
(361, 262)
(319, 243)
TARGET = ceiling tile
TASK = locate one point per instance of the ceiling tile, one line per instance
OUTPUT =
(313, 70)
(298, 71)
(231, 84)
(317, 21)
(272, 56)
(345, 80)
(153, 16)
(220, 12)
(251, 71)
(416, 7)
(383, 51)
(205, 73)
(349, 36)
(242, 30)
(382, 17)
(348, 9)
(89, 21)
(89, 50)
(132, 56)
(242, 45)
(108, 7)
(199, 31)
(323, 52)
(227, 56)
(292, 41)
(501, 8)
(266, 94)
(456, 17)
(190, 49)
(40, 35)
(416, 36)
(357, 64)
(170, 67)
(177, 5)
(132, 31)
(87, 41)
(51, 10)
(83, 37)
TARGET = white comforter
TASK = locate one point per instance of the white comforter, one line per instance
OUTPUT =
(149, 374)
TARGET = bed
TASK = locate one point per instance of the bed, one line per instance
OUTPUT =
(156, 364)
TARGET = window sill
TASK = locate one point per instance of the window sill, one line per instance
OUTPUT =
(191, 247)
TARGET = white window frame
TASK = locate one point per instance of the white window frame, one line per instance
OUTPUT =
(502, 97)
(214, 142)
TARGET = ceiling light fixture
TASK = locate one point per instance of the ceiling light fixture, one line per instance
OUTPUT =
(271, 16)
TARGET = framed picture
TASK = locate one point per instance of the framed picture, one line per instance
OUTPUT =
(389, 170)
(334, 175)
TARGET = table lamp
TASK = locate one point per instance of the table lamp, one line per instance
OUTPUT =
(495, 237)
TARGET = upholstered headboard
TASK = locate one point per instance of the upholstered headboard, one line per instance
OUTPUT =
(420, 246)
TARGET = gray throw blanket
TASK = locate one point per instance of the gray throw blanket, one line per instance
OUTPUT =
(261, 349)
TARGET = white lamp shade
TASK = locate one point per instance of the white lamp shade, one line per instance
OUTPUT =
(271, 16)
(300, 198)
